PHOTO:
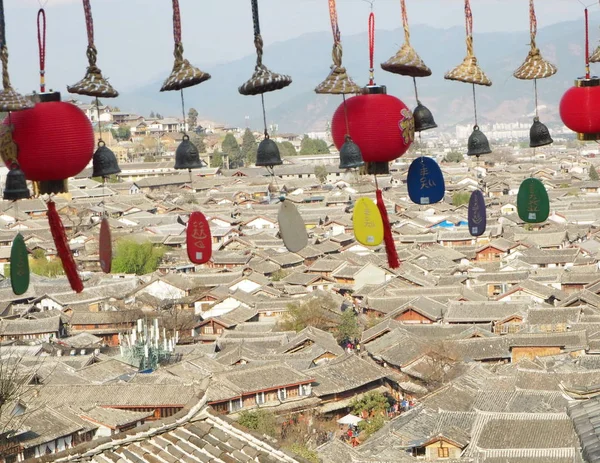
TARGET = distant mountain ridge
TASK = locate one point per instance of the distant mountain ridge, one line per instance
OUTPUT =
(308, 58)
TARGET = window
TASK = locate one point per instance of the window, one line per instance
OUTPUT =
(293, 392)
(260, 398)
(235, 405)
(281, 394)
(219, 330)
(208, 329)
(443, 452)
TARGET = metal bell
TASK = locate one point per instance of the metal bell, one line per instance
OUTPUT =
(268, 154)
(478, 143)
(187, 155)
(350, 155)
(539, 135)
(423, 118)
(16, 184)
(104, 162)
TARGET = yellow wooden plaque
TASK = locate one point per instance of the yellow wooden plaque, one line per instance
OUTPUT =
(368, 225)
(8, 148)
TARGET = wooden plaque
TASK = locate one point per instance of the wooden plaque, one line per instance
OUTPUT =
(199, 239)
(368, 224)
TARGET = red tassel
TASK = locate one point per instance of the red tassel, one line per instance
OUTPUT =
(62, 248)
(390, 246)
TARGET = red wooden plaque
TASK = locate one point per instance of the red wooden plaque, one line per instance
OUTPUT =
(105, 247)
(199, 241)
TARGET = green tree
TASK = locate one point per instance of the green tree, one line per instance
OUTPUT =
(307, 146)
(461, 197)
(124, 133)
(152, 115)
(278, 275)
(216, 160)
(317, 312)
(372, 425)
(192, 119)
(249, 148)
(149, 158)
(261, 421)
(159, 116)
(320, 146)
(454, 156)
(373, 403)
(321, 173)
(303, 451)
(231, 148)
(286, 149)
(136, 258)
(348, 329)
(593, 174)
(41, 265)
(198, 141)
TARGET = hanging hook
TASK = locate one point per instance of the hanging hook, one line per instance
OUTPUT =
(370, 2)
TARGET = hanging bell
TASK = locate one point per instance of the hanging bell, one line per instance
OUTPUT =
(104, 162)
(350, 155)
(16, 184)
(478, 143)
(423, 118)
(187, 155)
(539, 135)
(268, 154)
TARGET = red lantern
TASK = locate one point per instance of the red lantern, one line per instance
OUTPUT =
(381, 125)
(579, 108)
(55, 140)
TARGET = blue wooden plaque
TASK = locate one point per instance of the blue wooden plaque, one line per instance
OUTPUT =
(425, 181)
(477, 214)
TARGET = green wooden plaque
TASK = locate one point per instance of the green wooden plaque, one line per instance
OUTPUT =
(533, 203)
(19, 266)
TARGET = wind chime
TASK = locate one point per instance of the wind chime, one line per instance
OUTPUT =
(291, 226)
(56, 142)
(469, 72)
(16, 185)
(339, 83)
(383, 128)
(532, 201)
(104, 160)
(187, 156)
(425, 179)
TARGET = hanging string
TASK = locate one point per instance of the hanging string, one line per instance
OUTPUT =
(416, 91)
(405, 21)
(346, 115)
(41, 33)
(535, 92)
(258, 41)
(2, 25)
(183, 111)
(532, 23)
(372, 48)
(4, 49)
(475, 106)
(469, 27)
(176, 22)
(334, 22)
(89, 22)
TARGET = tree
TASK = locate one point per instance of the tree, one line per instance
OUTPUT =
(454, 156)
(317, 312)
(135, 258)
(231, 148)
(123, 133)
(348, 329)
(372, 425)
(159, 116)
(320, 146)
(40, 265)
(192, 119)
(307, 146)
(149, 158)
(321, 173)
(261, 421)
(249, 148)
(372, 403)
(152, 115)
(216, 159)
(278, 275)
(593, 174)
(286, 149)
(460, 197)
(198, 141)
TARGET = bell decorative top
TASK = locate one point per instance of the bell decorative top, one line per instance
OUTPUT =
(93, 84)
(469, 71)
(104, 162)
(337, 82)
(406, 62)
(478, 143)
(267, 154)
(350, 155)
(539, 135)
(534, 67)
(183, 75)
(423, 118)
(187, 155)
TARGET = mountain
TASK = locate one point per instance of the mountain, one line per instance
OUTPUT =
(308, 57)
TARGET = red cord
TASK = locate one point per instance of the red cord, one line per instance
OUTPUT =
(334, 21)
(371, 48)
(89, 22)
(176, 21)
(388, 237)
(41, 31)
(469, 18)
(587, 45)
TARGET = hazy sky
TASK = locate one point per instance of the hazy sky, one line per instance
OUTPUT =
(135, 42)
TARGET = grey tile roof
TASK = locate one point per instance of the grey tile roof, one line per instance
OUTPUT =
(344, 374)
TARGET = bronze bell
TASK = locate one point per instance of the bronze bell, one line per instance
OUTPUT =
(350, 155)
(16, 184)
(268, 154)
(104, 162)
(187, 155)
(423, 118)
(539, 135)
(478, 143)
